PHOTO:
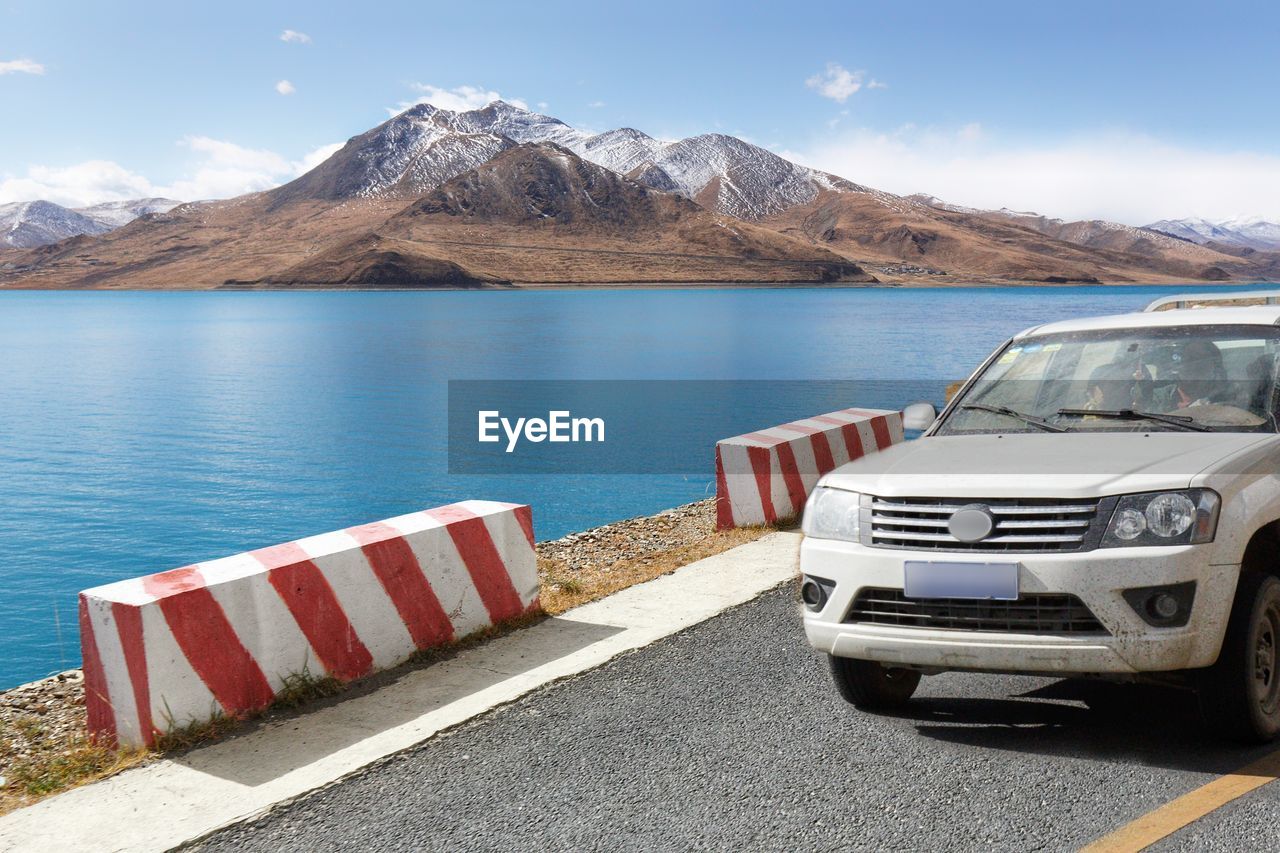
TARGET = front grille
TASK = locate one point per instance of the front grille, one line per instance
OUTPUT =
(1027, 525)
(1032, 613)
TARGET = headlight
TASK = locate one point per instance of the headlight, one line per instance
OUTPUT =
(1164, 518)
(831, 514)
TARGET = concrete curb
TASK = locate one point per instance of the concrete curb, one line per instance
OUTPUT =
(224, 637)
(766, 475)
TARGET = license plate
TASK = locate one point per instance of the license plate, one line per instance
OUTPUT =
(928, 579)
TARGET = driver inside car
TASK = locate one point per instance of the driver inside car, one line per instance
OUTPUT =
(1201, 379)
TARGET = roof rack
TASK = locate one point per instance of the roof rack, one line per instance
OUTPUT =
(1269, 297)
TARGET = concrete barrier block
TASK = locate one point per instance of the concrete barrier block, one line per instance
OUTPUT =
(765, 476)
(171, 649)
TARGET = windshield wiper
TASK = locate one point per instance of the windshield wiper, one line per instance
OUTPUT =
(1012, 413)
(1180, 421)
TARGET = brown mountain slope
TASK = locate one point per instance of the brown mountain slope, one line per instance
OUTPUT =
(901, 235)
(1147, 248)
(1258, 263)
(1114, 236)
(372, 261)
(541, 214)
(198, 245)
(410, 153)
(534, 213)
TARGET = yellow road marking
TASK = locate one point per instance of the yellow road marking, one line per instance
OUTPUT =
(1188, 808)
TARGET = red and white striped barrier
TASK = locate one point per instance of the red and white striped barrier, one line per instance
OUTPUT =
(167, 650)
(767, 475)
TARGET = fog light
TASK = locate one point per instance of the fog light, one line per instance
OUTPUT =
(1163, 605)
(1166, 606)
(814, 592)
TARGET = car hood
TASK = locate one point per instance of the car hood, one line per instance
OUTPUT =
(1043, 464)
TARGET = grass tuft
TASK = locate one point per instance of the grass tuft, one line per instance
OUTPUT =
(80, 762)
(299, 688)
(568, 586)
(195, 733)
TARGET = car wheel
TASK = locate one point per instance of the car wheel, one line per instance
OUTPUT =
(873, 686)
(1241, 694)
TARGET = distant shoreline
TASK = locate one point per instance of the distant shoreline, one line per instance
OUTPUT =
(645, 285)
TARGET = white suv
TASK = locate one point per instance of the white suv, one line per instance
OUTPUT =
(1100, 499)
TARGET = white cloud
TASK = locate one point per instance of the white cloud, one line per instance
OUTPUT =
(295, 37)
(877, 84)
(217, 169)
(284, 87)
(314, 158)
(971, 132)
(20, 66)
(458, 99)
(75, 186)
(595, 105)
(1125, 177)
(837, 82)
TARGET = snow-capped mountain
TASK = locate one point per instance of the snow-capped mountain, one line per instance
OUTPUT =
(574, 205)
(1100, 233)
(735, 177)
(623, 150)
(26, 224)
(935, 202)
(411, 153)
(421, 148)
(115, 214)
(1094, 233)
(1245, 232)
(513, 122)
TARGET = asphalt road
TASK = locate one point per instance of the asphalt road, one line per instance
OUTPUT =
(730, 735)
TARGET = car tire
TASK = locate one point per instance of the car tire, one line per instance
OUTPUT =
(872, 686)
(1240, 696)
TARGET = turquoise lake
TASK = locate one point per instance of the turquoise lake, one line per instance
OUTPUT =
(144, 431)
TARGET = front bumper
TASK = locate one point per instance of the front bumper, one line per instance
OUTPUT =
(1096, 577)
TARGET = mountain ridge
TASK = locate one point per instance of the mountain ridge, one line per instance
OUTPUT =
(374, 207)
(541, 205)
(1197, 260)
(29, 224)
(1252, 232)
(535, 213)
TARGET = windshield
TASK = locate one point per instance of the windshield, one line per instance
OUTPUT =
(1220, 378)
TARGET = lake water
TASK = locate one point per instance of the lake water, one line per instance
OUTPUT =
(144, 431)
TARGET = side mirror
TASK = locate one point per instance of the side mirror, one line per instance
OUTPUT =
(919, 416)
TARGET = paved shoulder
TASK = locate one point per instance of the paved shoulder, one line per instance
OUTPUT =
(730, 735)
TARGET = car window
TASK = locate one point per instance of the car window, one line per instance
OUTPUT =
(1217, 377)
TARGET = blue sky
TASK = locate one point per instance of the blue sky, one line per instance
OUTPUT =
(1132, 111)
